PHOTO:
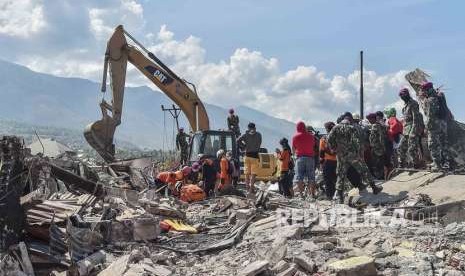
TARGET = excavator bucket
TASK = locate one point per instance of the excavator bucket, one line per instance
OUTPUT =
(456, 130)
(99, 135)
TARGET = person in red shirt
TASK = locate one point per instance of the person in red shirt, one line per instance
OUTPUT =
(303, 143)
(394, 131)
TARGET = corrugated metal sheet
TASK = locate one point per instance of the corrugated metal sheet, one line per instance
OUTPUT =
(59, 206)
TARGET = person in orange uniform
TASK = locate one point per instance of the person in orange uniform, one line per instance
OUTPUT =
(285, 176)
(171, 178)
(328, 163)
(225, 175)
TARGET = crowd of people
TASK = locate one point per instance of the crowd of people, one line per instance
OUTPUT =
(354, 150)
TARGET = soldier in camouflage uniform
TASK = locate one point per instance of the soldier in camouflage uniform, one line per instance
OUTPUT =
(436, 126)
(182, 145)
(344, 140)
(233, 123)
(377, 140)
(409, 148)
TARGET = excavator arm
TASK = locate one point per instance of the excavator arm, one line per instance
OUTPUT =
(100, 134)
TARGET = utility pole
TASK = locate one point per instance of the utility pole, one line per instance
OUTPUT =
(174, 111)
(361, 85)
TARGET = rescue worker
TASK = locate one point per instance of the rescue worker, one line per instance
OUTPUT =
(182, 145)
(377, 140)
(436, 126)
(225, 173)
(394, 131)
(233, 123)
(251, 141)
(285, 175)
(194, 175)
(344, 140)
(209, 173)
(173, 180)
(328, 163)
(409, 147)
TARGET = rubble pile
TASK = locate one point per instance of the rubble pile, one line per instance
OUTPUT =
(65, 216)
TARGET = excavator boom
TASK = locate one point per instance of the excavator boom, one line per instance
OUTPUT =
(100, 134)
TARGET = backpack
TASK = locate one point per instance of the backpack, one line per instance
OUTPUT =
(192, 193)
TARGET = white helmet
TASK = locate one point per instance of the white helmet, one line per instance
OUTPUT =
(220, 153)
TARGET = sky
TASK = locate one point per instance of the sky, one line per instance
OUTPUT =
(296, 60)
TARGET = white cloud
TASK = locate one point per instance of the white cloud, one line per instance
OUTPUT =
(65, 65)
(249, 78)
(21, 18)
(104, 20)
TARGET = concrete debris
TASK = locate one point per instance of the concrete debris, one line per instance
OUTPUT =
(65, 215)
(255, 268)
(355, 266)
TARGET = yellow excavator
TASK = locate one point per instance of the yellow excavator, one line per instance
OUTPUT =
(100, 134)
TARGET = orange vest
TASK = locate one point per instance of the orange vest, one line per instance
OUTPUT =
(328, 153)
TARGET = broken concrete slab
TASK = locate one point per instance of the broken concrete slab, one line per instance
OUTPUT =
(398, 188)
(289, 271)
(355, 266)
(280, 266)
(255, 268)
(305, 263)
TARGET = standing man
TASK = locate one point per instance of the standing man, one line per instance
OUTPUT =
(233, 123)
(344, 140)
(251, 141)
(182, 144)
(394, 131)
(409, 147)
(436, 113)
(285, 175)
(303, 143)
(328, 163)
(377, 140)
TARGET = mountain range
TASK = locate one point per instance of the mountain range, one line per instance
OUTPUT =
(29, 98)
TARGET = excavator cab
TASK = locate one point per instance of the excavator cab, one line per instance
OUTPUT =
(209, 142)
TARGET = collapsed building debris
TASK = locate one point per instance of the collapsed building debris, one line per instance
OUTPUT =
(74, 217)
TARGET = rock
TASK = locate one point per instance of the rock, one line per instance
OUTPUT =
(232, 218)
(244, 214)
(309, 246)
(440, 254)
(318, 229)
(291, 232)
(383, 254)
(355, 266)
(255, 268)
(328, 246)
(278, 250)
(306, 264)
(280, 266)
(288, 272)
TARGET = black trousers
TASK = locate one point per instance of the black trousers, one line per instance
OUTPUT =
(285, 183)
(330, 177)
